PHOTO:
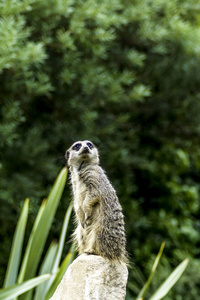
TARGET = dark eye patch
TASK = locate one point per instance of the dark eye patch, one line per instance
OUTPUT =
(90, 145)
(76, 147)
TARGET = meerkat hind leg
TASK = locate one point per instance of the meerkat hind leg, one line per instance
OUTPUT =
(90, 251)
(91, 246)
(80, 238)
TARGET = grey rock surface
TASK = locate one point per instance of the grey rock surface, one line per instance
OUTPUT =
(91, 277)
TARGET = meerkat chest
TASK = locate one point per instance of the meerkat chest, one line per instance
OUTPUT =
(79, 191)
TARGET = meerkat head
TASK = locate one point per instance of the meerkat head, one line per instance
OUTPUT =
(82, 153)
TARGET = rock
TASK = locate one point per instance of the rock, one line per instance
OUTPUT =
(91, 277)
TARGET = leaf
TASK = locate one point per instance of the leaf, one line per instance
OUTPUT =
(16, 249)
(41, 229)
(62, 236)
(46, 268)
(28, 248)
(145, 287)
(66, 262)
(60, 245)
(170, 281)
(18, 289)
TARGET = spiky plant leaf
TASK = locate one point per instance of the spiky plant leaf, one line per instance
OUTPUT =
(16, 249)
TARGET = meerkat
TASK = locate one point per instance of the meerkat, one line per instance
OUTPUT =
(99, 217)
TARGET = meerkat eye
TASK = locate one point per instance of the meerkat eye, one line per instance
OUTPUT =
(90, 145)
(76, 147)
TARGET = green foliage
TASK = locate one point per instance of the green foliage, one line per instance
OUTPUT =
(18, 289)
(124, 74)
(15, 255)
(22, 278)
(166, 286)
(18, 284)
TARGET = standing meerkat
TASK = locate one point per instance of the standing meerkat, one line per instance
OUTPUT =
(99, 217)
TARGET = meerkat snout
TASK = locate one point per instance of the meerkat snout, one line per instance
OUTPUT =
(85, 150)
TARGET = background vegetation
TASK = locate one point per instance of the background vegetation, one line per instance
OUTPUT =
(124, 74)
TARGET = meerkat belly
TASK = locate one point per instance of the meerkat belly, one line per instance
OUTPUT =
(83, 208)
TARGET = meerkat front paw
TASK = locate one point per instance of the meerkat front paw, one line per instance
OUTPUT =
(88, 221)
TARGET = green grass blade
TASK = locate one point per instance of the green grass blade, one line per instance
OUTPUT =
(170, 281)
(28, 248)
(18, 289)
(62, 236)
(144, 289)
(46, 267)
(41, 230)
(60, 245)
(16, 249)
(133, 287)
(66, 262)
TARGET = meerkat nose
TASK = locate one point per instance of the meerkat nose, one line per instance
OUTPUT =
(85, 150)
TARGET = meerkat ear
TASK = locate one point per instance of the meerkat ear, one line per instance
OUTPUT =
(67, 157)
